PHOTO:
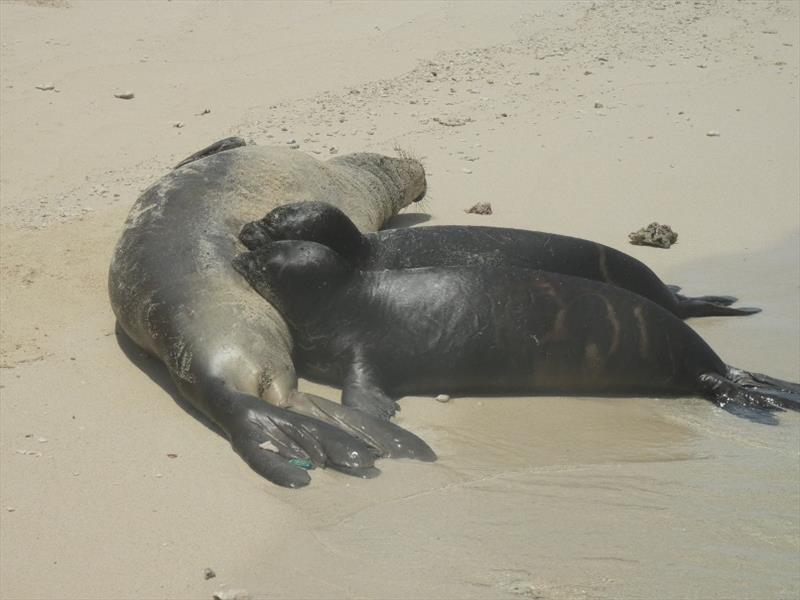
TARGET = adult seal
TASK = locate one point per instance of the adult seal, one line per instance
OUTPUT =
(482, 329)
(450, 245)
(176, 295)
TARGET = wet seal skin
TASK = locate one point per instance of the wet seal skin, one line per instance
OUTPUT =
(175, 293)
(487, 329)
(450, 245)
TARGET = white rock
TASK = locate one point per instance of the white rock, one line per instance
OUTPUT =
(443, 398)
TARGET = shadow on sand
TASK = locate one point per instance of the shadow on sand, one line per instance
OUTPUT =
(158, 373)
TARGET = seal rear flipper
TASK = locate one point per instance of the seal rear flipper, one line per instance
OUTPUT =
(389, 439)
(757, 379)
(271, 465)
(720, 300)
(276, 442)
(325, 444)
(742, 388)
(696, 307)
(363, 473)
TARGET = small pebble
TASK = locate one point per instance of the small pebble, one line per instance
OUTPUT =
(466, 170)
(125, 96)
(481, 208)
(10, 508)
(443, 398)
(713, 133)
(452, 121)
(660, 236)
(178, 124)
(46, 87)
(598, 105)
(209, 573)
(42, 440)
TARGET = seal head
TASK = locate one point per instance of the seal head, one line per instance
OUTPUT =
(293, 276)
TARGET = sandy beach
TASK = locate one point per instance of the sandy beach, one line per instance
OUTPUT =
(590, 119)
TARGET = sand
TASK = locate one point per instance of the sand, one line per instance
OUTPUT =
(589, 119)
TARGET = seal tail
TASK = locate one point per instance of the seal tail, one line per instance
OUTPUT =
(752, 390)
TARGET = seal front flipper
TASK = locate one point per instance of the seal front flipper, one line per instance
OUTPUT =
(222, 145)
(361, 390)
(389, 439)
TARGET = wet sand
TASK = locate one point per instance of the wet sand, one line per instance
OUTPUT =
(531, 497)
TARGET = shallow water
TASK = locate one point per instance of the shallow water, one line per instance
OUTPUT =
(579, 497)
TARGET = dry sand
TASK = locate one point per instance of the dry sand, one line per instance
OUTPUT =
(531, 497)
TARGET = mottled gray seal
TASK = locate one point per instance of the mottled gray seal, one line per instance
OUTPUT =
(176, 295)
(450, 245)
(482, 329)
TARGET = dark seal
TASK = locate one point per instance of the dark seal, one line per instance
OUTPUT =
(176, 295)
(480, 329)
(450, 245)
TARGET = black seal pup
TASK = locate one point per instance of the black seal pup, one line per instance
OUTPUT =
(176, 295)
(486, 329)
(450, 245)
